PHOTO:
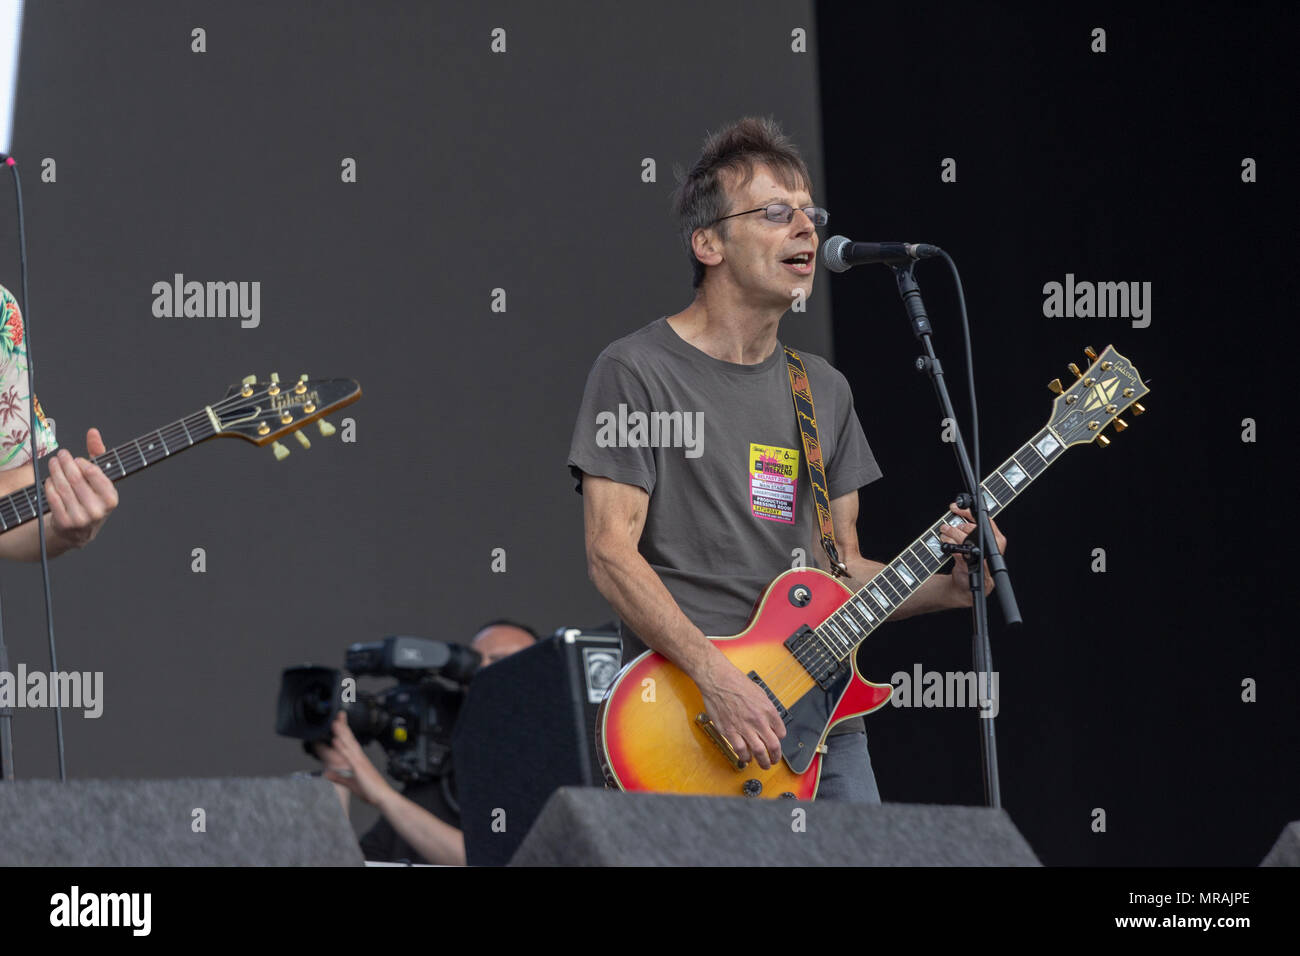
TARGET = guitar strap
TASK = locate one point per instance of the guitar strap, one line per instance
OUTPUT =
(806, 415)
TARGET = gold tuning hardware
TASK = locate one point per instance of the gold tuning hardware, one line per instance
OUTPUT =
(1075, 370)
(302, 439)
(1103, 441)
(326, 429)
(281, 453)
(248, 380)
(1054, 386)
(1092, 356)
(1120, 424)
(1137, 408)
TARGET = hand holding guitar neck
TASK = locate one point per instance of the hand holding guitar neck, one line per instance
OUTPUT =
(81, 496)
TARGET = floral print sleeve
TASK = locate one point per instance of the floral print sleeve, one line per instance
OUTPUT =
(15, 438)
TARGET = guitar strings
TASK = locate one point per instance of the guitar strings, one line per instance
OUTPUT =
(792, 678)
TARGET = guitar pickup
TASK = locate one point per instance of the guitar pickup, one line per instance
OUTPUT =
(780, 708)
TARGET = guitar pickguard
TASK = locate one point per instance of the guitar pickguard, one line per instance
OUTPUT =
(808, 719)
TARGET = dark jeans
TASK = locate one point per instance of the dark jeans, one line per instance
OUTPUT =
(846, 771)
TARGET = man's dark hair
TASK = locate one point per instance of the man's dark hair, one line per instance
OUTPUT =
(505, 622)
(701, 199)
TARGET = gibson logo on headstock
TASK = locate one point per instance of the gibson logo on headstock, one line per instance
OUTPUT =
(1104, 391)
(289, 399)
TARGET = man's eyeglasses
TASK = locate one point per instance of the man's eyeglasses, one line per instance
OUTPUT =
(783, 213)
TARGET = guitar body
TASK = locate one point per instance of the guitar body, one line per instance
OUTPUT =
(649, 739)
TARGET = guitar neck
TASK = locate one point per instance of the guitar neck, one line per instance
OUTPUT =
(126, 459)
(876, 600)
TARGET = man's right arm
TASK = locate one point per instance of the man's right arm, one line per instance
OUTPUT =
(614, 515)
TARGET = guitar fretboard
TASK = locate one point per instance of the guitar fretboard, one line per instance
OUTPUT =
(831, 642)
(126, 459)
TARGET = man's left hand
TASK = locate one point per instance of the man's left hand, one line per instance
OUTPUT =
(961, 570)
(81, 496)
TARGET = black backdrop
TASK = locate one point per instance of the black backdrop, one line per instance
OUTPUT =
(1122, 691)
(523, 171)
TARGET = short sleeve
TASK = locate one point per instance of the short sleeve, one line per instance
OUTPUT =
(15, 409)
(853, 464)
(599, 445)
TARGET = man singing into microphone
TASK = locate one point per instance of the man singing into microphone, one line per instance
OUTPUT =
(677, 540)
(80, 495)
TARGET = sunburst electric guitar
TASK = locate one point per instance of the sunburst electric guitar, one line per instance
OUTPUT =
(260, 412)
(652, 732)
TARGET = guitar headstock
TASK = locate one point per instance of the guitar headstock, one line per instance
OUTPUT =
(1099, 395)
(264, 412)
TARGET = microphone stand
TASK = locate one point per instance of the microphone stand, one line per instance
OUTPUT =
(973, 499)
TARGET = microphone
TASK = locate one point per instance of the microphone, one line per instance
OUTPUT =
(841, 255)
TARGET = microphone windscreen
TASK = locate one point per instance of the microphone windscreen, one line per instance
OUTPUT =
(833, 254)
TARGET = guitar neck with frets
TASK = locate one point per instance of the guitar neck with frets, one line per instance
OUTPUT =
(260, 412)
(1096, 399)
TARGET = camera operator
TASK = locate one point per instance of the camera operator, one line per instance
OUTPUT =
(419, 824)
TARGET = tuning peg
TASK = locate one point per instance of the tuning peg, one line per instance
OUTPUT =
(1120, 425)
(1103, 441)
(248, 380)
(1075, 369)
(302, 439)
(281, 453)
(1055, 387)
(1137, 408)
(275, 377)
(1088, 351)
(325, 427)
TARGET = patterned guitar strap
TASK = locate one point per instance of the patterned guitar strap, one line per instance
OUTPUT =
(812, 449)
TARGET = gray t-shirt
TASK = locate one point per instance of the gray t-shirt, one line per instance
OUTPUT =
(717, 447)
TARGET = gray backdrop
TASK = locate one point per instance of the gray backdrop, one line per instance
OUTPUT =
(476, 171)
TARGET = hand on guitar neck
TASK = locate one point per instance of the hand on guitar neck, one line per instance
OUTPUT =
(81, 497)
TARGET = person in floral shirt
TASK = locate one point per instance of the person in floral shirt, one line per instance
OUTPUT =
(80, 495)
